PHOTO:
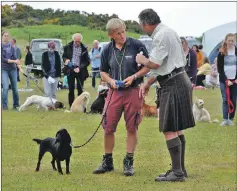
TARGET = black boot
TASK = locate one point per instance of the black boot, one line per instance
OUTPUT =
(128, 169)
(106, 165)
(176, 174)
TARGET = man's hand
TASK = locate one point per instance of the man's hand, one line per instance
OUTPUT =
(128, 81)
(235, 81)
(144, 89)
(66, 62)
(112, 83)
(141, 59)
(230, 83)
(17, 62)
(77, 70)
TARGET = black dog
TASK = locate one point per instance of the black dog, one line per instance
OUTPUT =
(60, 149)
(98, 105)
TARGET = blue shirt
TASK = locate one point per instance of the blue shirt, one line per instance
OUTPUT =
(8, 52)
(95, 62)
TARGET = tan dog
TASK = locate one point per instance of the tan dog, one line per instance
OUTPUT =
(80, 103)
(200, 113)
(149, 111)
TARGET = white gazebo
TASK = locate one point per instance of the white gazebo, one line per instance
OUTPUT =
(212, 38)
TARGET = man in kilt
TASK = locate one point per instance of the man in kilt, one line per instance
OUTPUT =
(167, 61)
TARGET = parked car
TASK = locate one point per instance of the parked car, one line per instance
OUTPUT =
(147, 41)
(192, 41)
(103, 44)
(38, 46)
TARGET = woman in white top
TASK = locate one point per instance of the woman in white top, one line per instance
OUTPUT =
(227, 69)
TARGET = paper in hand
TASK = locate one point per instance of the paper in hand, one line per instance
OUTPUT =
(51, 80)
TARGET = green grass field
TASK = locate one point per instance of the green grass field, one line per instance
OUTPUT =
(22, 35)
(210, 154)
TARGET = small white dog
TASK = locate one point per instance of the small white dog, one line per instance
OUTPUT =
(80, 103)
(42, 102)
(200, 113)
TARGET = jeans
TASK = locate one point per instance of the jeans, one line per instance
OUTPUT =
(94, 75)
(50, 89)
(12, 75)
(233, 97)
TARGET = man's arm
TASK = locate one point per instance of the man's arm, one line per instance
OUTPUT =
(146, 62)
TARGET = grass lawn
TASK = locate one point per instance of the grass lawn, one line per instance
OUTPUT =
(210, 153)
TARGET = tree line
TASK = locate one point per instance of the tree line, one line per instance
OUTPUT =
(19, 15)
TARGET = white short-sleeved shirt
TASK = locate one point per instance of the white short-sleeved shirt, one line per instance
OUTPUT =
(166, 50)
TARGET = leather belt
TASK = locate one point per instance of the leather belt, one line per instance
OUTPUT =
(167, 76)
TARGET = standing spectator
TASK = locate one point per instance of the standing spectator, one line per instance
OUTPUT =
(9, 71)
(76, 61)
(18, 56)
(227, 69)
(191, 64)
(199, 56)
(118, 63)
(29, 65)
(95, 55)
(200, 47)
(167, 61)
(204, 70)
(51, 67)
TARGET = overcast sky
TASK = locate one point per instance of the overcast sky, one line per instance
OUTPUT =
(187, 18)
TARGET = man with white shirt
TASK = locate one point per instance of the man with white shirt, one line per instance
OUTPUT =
(167, 61)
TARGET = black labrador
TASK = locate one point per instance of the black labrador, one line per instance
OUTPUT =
(98, 105)
(59, 147)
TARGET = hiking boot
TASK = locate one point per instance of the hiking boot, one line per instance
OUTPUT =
(171, 177)
(169, 171)
(105, 166)
(128, 166)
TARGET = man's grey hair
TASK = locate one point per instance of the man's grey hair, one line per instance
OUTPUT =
(149, 17)
(77, 34)
(115, 23)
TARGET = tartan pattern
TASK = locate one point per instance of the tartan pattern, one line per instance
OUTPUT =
(175, 112)
(76, 57)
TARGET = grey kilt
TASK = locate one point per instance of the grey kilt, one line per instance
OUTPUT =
(175, 100)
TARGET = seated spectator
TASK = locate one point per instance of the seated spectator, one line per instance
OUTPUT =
(204, 70)
(213, 79)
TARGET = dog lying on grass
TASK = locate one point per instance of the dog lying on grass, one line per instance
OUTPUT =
(42, 102)
(149, 111)
(200, 113)
(80, 103)
(59, 147)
